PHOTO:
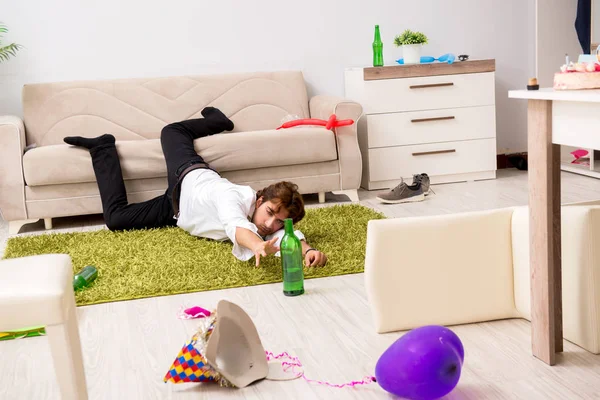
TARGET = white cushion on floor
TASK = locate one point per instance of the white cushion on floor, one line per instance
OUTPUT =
(448, 269)
(580, 271)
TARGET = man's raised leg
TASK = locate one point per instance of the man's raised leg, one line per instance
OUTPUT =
(118, 214)
(177, 140)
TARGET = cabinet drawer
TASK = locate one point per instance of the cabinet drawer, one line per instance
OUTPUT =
(420, 127)
(428, 93)
(450, 158)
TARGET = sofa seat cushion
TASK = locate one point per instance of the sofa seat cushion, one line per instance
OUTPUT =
(143, 159)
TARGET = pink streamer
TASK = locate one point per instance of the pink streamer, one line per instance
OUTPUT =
(193, 312)
(199, 312)
(296, 363)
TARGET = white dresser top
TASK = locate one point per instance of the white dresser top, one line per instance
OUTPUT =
(425, 69)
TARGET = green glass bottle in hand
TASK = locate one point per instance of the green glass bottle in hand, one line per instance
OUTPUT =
(377, 49)
(291, 261)
(84, 277)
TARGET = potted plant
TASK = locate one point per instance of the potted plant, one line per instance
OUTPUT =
(9, 50)
(411, 44)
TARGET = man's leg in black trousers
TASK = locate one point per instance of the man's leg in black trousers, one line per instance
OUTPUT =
(118, 215)
(177, 140)
(178, 147)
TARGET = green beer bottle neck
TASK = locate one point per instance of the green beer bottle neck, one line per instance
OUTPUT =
(289, 225)
(377, 34)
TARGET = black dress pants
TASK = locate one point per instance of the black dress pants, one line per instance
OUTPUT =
(177, 141)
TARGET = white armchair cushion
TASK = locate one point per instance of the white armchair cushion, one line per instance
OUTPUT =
(448, 269)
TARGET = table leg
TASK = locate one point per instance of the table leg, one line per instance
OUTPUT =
(544, 233)
(557, 257)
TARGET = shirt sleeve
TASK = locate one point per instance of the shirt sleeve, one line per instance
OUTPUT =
(232, 214)
(279, 235)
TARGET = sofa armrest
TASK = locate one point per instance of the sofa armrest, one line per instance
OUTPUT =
(12, 184)
(443, 270)
(322, 107)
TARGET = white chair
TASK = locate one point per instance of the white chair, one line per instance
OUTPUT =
(474, 267)
(38, 290)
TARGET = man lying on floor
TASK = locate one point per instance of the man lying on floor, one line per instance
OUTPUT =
(198, 199)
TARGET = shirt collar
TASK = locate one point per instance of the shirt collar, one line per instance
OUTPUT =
(252, 206)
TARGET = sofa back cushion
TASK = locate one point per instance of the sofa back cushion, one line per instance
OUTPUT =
(138, 109)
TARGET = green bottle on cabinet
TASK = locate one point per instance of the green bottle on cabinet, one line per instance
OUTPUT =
(377, 49)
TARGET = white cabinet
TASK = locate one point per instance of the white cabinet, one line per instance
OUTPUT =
(437, 119)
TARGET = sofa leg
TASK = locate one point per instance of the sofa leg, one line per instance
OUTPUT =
(321, 197)
(48, 223)
(15, 226)
(351, 193)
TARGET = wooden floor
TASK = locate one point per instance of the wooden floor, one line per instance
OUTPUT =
(129, 346)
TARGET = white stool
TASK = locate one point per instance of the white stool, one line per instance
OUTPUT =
(38, 290)
(474, 266)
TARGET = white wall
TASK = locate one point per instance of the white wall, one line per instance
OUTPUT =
(74, 39)
(555, 37)
(595, 21)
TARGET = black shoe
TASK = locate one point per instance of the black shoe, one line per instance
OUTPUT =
(217, 120)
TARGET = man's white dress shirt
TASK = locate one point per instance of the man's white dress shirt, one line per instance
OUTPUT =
(212, 207)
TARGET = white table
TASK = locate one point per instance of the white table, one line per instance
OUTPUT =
(554, 118)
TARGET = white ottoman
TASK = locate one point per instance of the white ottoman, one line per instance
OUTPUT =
(38, 290)
(472, 267)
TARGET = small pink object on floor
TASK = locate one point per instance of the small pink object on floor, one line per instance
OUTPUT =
(580, 157)
(295, 363)
(194, 312)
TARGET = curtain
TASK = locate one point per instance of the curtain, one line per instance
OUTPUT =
(583, 24)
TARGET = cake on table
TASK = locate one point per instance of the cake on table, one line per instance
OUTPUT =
(574, 76)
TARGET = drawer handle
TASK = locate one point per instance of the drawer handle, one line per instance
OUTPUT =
(432, 119)
(434, 152)
(432, 85)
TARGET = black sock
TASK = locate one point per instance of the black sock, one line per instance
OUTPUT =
(90, 143)
(216, 119)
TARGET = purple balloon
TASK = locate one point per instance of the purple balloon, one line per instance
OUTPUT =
(424, 364)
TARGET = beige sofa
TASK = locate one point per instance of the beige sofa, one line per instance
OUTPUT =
(474, 267)
(54, 179)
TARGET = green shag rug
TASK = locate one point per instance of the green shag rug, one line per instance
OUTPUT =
(166, 261)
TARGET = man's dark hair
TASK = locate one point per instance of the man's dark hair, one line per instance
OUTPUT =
(286, 195)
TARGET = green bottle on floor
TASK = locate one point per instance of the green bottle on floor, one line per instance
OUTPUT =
(291, 261)
(84, 277)
(377, 49)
